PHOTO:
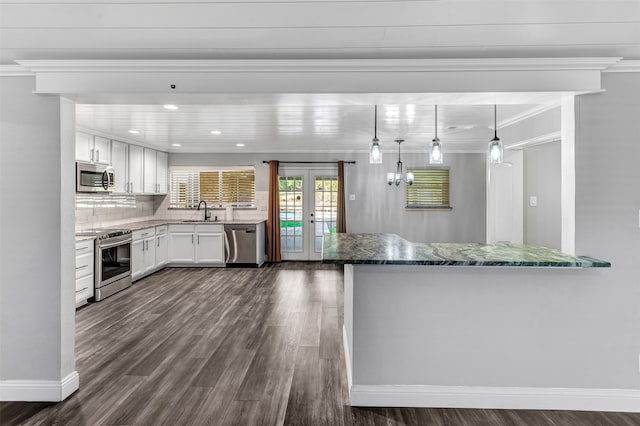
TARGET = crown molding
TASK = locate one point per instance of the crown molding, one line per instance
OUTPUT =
(538, 140)
(15, 71)
(624, 66)
(320, 65)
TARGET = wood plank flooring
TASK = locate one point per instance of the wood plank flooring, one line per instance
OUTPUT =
(234, 347)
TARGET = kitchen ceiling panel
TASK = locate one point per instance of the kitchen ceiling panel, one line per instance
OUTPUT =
(342, 127)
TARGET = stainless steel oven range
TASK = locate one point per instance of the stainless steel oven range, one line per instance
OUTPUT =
(112, 261)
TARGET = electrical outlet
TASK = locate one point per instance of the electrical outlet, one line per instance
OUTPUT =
(533, 201)
(352, 197)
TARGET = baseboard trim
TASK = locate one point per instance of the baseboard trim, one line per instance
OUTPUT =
(347, 357)
(623, 400)
(39, 390)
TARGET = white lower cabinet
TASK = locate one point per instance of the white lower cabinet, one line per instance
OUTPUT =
(162, 246)
(196, 245)
(142, 253)
(84, 271)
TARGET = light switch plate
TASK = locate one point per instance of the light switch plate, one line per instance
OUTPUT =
(352, 197)
(533, 201)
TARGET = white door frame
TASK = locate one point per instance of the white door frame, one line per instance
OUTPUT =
(308, 175)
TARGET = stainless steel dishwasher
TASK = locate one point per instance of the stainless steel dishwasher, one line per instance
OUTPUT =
(240, 244)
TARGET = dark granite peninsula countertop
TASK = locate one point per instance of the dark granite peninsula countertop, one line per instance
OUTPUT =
(391, 249)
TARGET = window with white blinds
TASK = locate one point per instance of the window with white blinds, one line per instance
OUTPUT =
(189, 186)
(430, 188)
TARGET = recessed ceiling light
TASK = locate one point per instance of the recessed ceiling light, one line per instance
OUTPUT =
(134, 132)
(170, 107)
(216, 132)
(240, 145)
(175, 144)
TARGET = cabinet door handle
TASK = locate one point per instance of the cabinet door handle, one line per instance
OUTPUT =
(158, 241)
(191, 238)
(81, 267)
(82, 249)
(81, 290)
(91, 154)
(198, 239)
(97, 155)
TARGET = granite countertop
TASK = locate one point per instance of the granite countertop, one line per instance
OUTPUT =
(391, 249)
(80, 238)
(135, 226)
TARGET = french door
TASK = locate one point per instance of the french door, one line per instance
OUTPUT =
(308, 209)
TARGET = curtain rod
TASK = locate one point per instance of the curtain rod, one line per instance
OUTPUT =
(309, 162)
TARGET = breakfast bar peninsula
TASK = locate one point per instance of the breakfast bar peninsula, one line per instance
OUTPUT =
(461, 325)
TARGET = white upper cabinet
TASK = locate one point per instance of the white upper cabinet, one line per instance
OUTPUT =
(93, 149)
(101, 150)
(136, 167)
(84, 147)
(120, 164)
(162, 172)
(150, 171)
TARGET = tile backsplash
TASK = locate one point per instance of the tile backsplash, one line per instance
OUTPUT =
(106, 210)
(101, 210)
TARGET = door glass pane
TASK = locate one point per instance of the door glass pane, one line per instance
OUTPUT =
(291, 210)
(326, 207)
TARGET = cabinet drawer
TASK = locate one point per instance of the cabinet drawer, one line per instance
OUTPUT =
(142, 234)
(181, 228)
(84, 288)
(84, 247)
(209, 228)
(84, 265)
(161, 230)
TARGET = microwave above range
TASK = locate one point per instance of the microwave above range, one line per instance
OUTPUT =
(92, 177)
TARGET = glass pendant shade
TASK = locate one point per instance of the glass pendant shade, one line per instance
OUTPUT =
(375, 152)
(410, 178)
(375, 149)
(435, 152)
(495, 151)
(390, 178)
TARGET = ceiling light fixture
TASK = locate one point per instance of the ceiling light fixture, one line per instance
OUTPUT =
(134, 132)
(216, 132)
(495, 145)
(175, 144)
(375, 149)
(170, 107)
(240, 145)
(435, 151)
(398, 176)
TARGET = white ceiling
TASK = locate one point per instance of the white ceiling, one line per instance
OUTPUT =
(265, 29)
(310, 123)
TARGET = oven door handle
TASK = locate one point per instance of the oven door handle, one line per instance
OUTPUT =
(115, 243)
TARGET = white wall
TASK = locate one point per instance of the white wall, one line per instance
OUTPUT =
(542, 179)
(379, 207)
(37, 236)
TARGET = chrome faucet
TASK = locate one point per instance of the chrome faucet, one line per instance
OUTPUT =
(207, 213)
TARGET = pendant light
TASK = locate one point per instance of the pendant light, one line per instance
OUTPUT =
(435, 151)
(398, 176)
(375, 149)
(495, 145)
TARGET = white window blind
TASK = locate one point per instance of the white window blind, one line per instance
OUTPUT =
(189, 186)
(430, 188)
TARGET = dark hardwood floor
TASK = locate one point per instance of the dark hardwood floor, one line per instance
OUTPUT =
(234, 346)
